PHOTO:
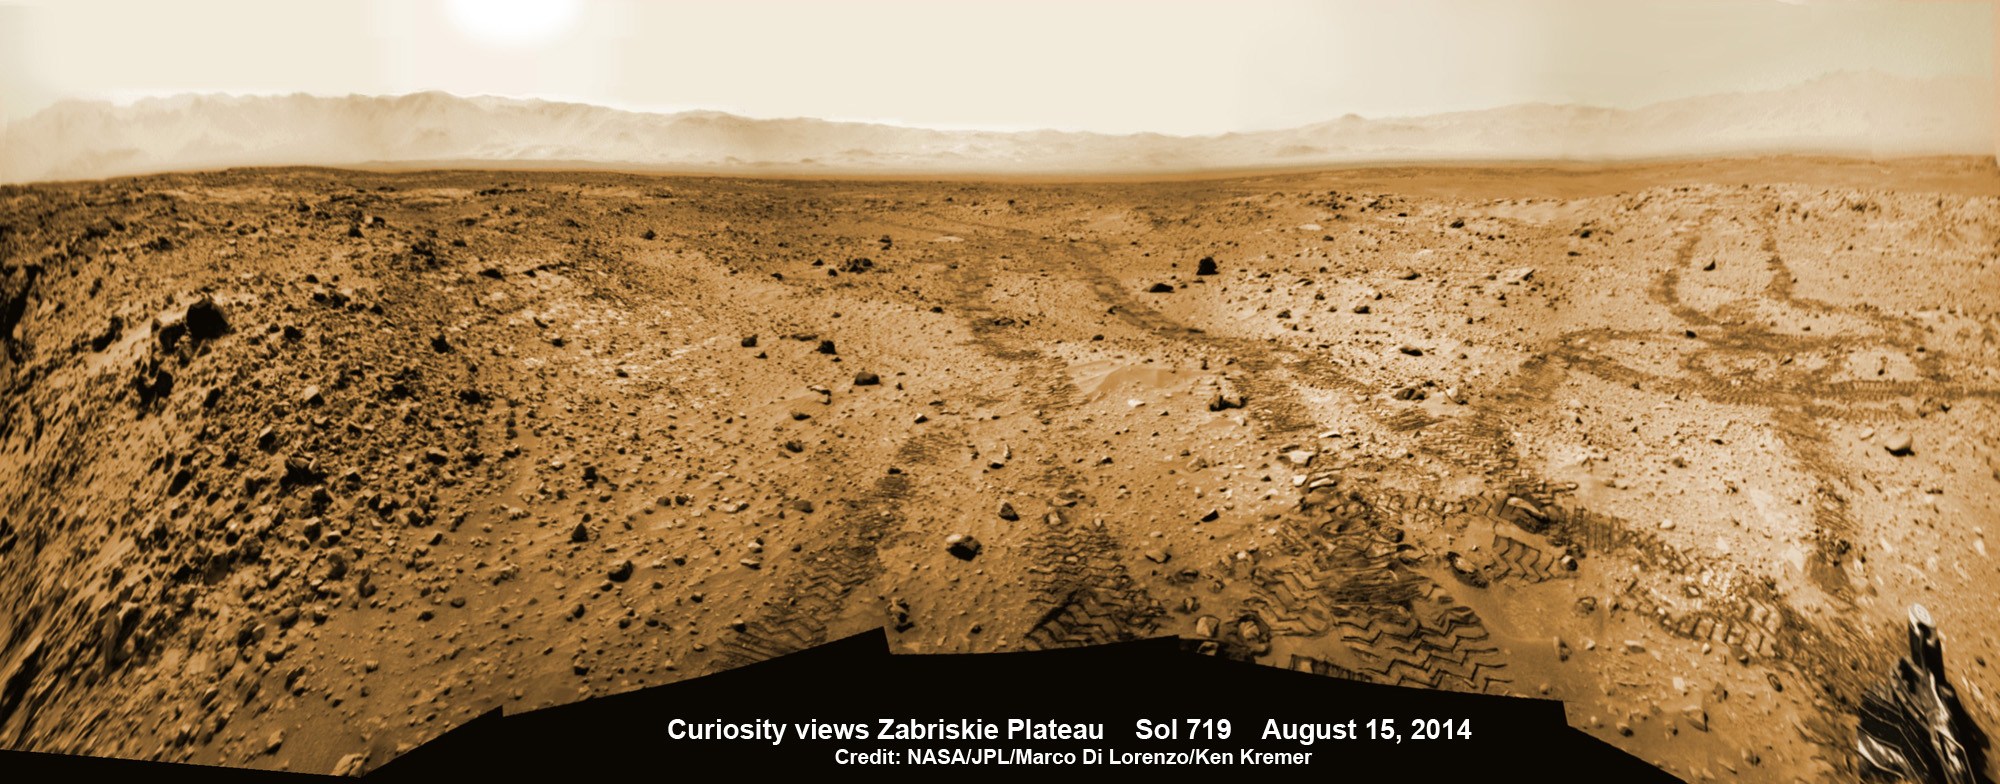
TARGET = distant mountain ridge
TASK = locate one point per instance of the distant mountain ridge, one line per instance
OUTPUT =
(1850, 113)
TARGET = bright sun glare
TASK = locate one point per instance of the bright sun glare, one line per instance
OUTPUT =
(512, 23)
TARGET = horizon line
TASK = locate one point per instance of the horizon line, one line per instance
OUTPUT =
(133, 98)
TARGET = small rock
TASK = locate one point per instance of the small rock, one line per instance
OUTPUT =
(1695, 717)
(621, 571)
(1465, 570)
(1007, 511)
(749, 341)
(1206, 267)
(272, 743)
(866, 379)
(962, 546)
(109, 336)
(1161, 288)
(1528, 507)
(579, 533)
(311, 396)
(441, 344)
(171, 333)
(302, 469)
(826, 347)
(351, 764)
(205, 320)
(1157, 555)
(1207, 626)
(1899, 444)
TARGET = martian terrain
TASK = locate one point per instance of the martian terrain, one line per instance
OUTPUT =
(303, 466)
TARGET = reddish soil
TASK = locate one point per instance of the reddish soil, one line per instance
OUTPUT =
(304, 467)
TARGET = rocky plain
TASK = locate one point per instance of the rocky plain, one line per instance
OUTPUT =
(300, 467)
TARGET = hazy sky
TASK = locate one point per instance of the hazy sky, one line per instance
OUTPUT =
(1171, 67)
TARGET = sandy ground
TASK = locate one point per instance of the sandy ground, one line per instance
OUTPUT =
(304, 467)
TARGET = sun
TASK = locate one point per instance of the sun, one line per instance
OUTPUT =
(512, 24)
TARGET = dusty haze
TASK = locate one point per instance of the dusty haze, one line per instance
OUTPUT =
(1858, 114)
